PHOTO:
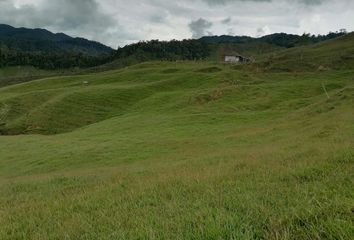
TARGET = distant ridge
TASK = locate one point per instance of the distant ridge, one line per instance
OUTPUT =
(44, 41)
(214, 47)
(278, 39)
(46, 50)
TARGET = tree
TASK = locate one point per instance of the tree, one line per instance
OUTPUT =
(343, 30)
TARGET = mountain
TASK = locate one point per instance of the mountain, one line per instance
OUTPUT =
(43, 49)
(46, 50)
(278, 39)
(44, 41)
(213, 47)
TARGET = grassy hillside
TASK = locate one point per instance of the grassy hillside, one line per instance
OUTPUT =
(188, 150)
(332, 54)
(21, 74)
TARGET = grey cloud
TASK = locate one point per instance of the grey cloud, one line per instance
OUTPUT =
(120, 22)
(63, 14)
(226, 20)
(260, 32)
(159, 18)
(223, 2)
(230, 32)
(199, 28)
(312, 2)
(80, 17)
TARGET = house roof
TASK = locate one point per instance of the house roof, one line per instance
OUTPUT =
(235, 55)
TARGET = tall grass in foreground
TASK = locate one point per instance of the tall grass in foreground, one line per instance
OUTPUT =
(179, 151)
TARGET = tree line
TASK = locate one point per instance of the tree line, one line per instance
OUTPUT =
(45, 60)
(149, 50)
(165, 50)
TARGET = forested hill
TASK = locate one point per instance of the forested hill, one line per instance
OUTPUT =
(212, 47)
(46, 50)
(278, 39)
(43, 41)
(43, 49)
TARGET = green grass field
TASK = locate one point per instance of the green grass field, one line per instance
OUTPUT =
(187, 150)
(21, 74)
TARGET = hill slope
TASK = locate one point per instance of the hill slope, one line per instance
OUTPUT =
(212, 48)
(45, 50)
(187, 150)
(41, 40)
(332, 54)
(283, 40)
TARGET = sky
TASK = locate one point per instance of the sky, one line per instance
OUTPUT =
(120, 22)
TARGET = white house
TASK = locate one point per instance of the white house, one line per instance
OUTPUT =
(232, 59)
(235, 59)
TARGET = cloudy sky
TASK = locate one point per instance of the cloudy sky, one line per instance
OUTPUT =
(119, 22)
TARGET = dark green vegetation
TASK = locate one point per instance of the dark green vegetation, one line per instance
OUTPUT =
(277, 39)
(183, 150)
(41, 40)
(213, 48)
(43, 49)
(162, 50)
